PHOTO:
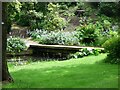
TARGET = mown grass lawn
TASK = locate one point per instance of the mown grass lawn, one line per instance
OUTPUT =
(87, 72)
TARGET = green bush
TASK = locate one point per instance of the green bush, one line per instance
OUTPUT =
(87, 33)
(112, 46)
(101, 40)
(30, 18)
(85, 52)
(109, 9)
(59, 38)
(63, 38)
(15, 45)
(35, 19)
(96, 32)
(52, 20)
(23, 19)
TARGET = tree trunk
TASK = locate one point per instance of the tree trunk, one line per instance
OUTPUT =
(5, 73)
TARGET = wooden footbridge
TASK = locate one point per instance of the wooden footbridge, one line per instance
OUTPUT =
(56, 51)
(61, 47)
(53, 51)
(33, 44)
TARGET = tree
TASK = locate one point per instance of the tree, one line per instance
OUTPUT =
(5, 73)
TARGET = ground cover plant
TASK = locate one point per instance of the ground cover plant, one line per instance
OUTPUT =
(87, 72)
(86, 52)
(59, 38)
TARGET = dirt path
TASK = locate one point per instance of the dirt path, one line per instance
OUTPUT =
(29, 42)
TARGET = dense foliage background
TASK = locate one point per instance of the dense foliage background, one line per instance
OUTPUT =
(70, 23)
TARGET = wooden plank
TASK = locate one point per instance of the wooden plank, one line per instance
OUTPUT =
(63, 47)
(80, 10)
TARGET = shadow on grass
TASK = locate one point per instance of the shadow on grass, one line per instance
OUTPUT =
(98, 75)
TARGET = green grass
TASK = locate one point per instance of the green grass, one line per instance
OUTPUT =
(87, 72)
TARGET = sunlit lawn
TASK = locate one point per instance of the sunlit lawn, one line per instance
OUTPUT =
(87, 72)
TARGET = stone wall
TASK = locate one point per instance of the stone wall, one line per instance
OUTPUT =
(19, 33)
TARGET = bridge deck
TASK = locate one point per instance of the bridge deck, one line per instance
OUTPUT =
(34, 44)
(62, 47)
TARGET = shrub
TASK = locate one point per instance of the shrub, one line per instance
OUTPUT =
(87, 33)
(112, 46)
(60, 38)
(15, 45)
(109, 9)
(23, 19)
(85, 52)
(95, 33)
(35, 19)
(52, 20)
(101, 40)
(30, 18)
